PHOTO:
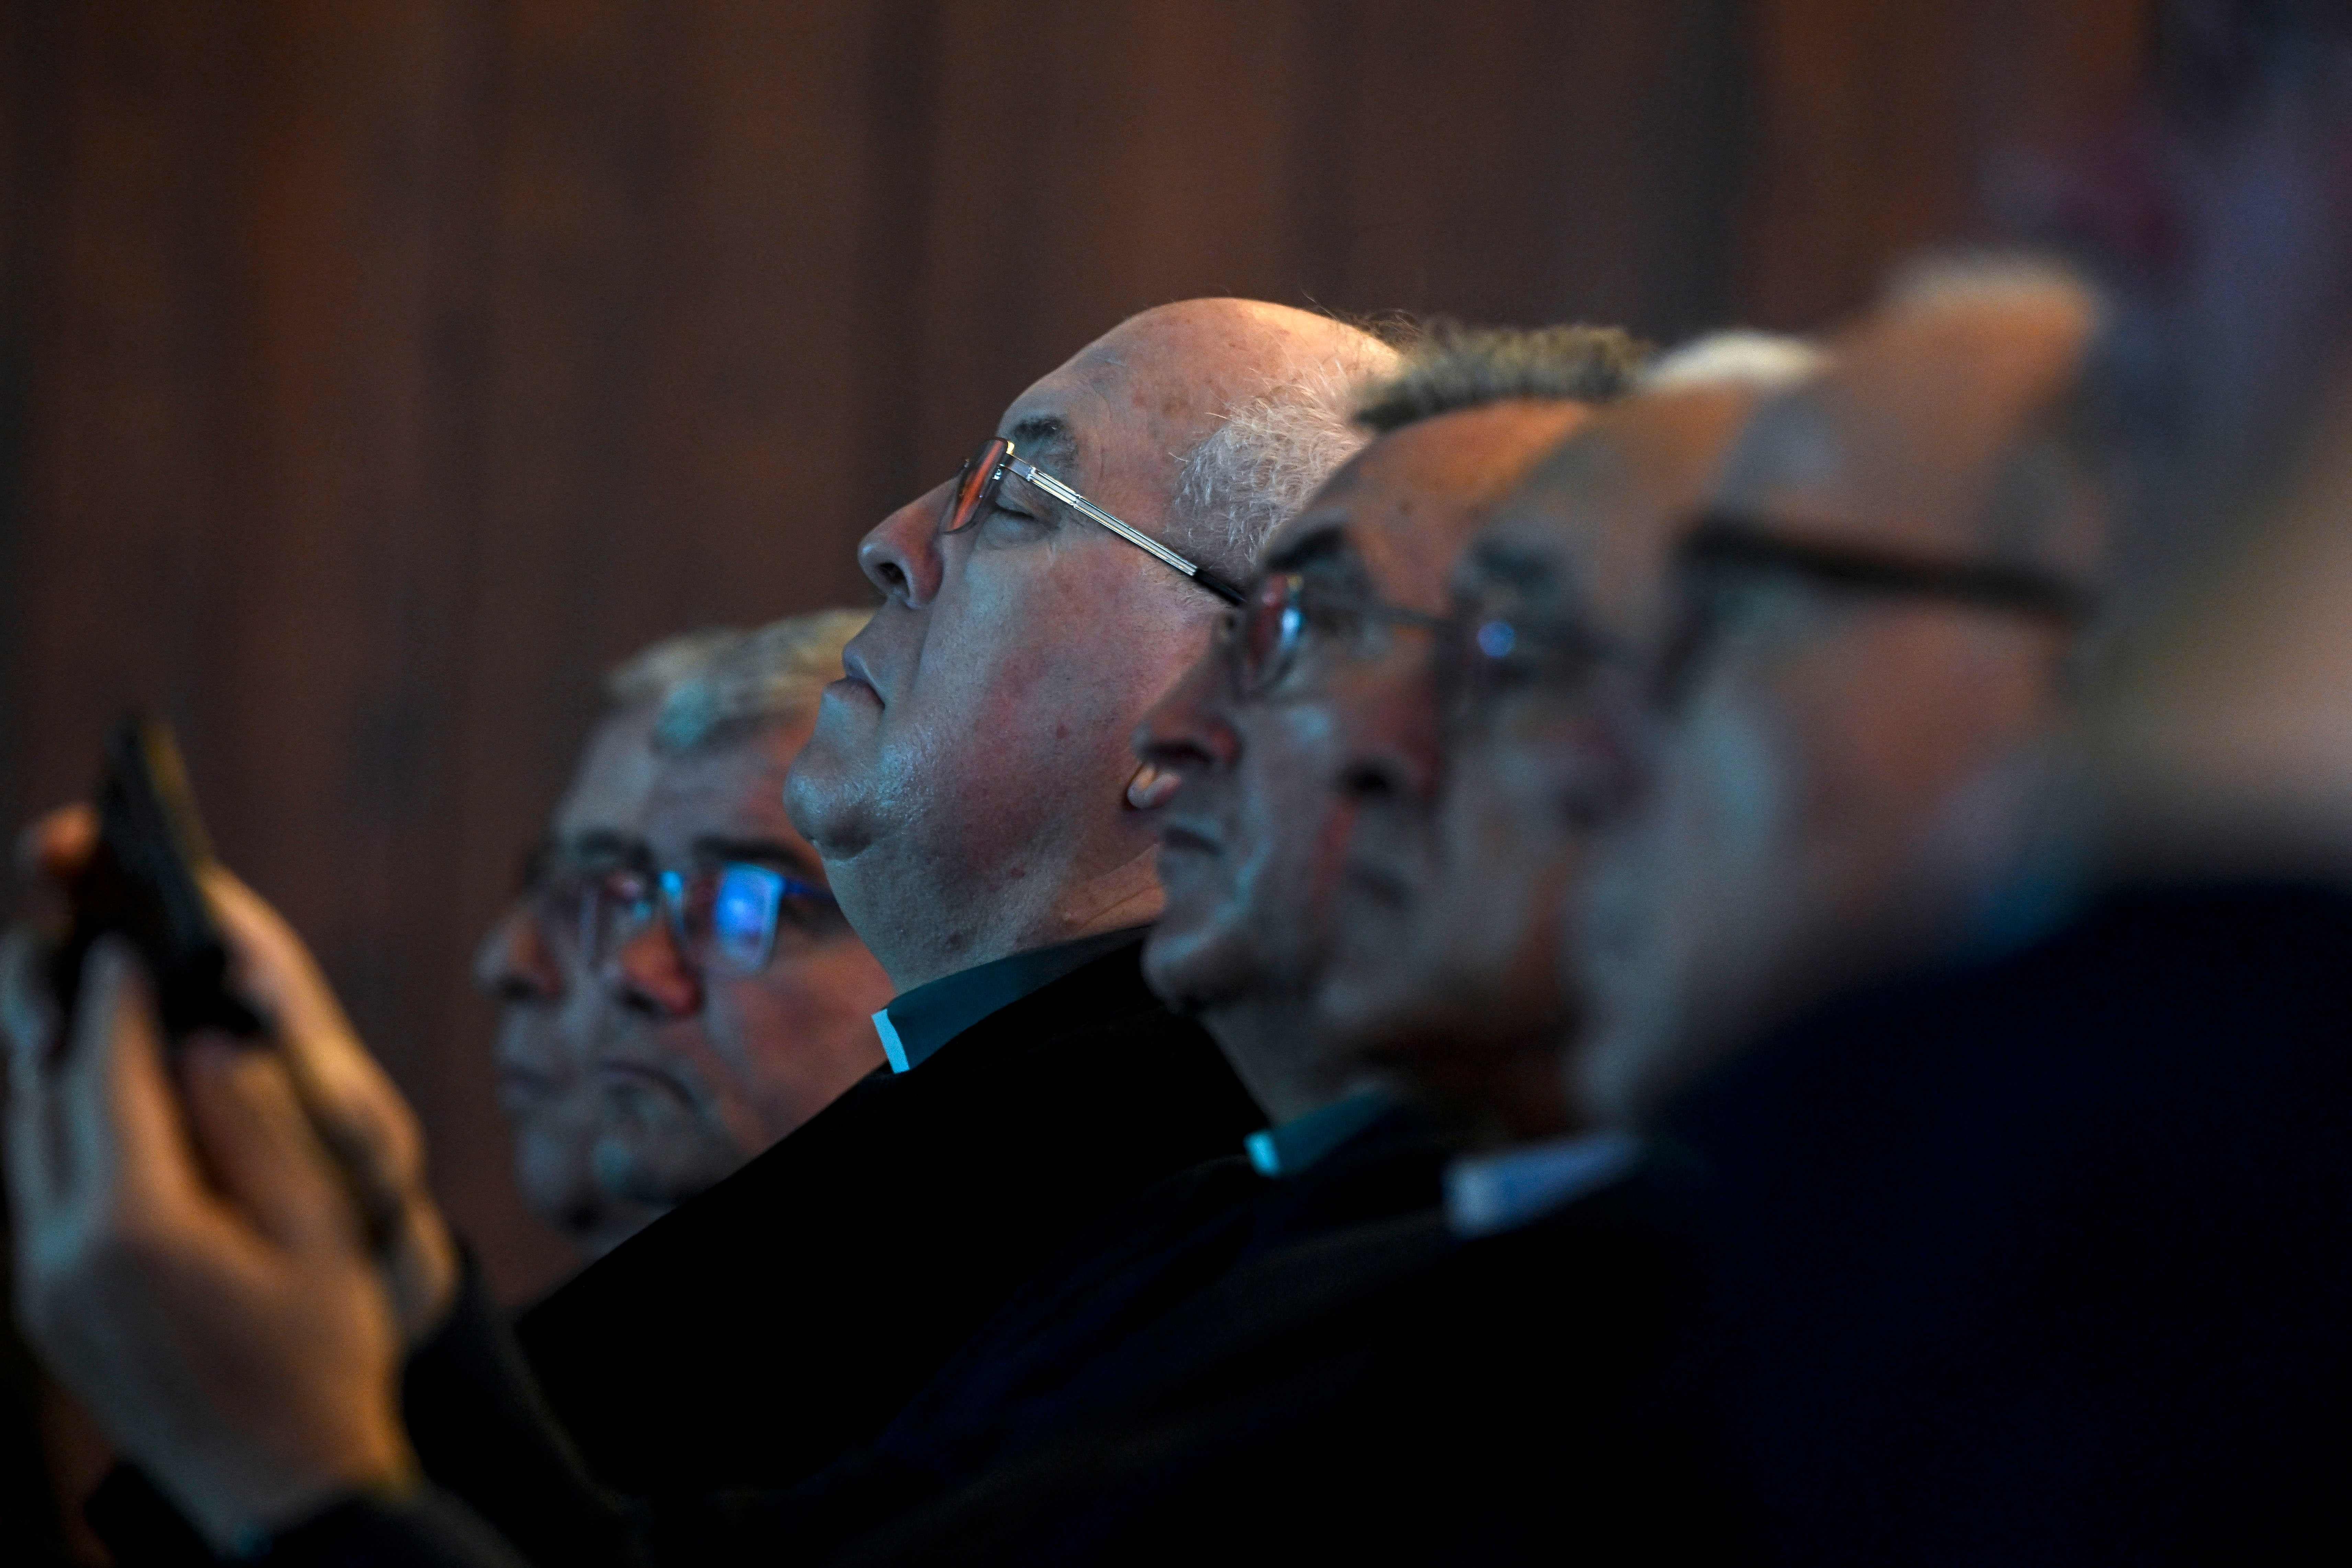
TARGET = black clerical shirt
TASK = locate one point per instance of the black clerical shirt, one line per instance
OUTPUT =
(780, 1319)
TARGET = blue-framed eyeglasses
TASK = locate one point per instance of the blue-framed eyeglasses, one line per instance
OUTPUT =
(723, 917)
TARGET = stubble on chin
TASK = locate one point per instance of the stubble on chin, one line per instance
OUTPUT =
(824, 806)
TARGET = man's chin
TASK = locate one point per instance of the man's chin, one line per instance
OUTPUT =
(823, 806)
(1368, 985)
(1188, 962)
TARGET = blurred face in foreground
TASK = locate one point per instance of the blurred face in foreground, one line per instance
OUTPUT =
(1253, 840)
(2220, 215)
(549, 1001)
(1465, 972)
(1851, 689)
(744, 1009)
(967, 784)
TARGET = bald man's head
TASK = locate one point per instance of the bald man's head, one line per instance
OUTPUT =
(968, 782)
(1247, 403)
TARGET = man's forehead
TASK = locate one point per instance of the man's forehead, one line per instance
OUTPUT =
(1522, 554)
(1597, 518)
(1544, 530)
(1481, 453)
(1164, 370)
(1405, 505)
(1446, 474)
(616, 773)
(1793, 443)
(1904, 432)
(1320, 526)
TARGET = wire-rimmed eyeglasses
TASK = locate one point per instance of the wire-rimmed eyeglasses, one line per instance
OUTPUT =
(976, 484)
(724, 916)
(1283, 612)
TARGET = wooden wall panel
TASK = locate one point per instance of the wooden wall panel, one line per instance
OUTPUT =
(1877, 123)
(375, 373)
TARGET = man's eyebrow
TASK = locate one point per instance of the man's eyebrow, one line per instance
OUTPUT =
(601, 841)
(1038, 435)
(1324, 547)
(712, 847)
(1515, 563)
(1530, 572)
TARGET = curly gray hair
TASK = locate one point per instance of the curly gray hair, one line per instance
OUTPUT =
(1453, 368)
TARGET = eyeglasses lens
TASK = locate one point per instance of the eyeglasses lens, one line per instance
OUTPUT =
(744, 900)
(975, 486)
(1270, 627)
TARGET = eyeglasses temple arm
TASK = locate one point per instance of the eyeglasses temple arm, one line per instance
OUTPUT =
(1078, 503)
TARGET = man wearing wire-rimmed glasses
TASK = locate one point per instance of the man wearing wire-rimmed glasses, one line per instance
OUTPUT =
(988, 835)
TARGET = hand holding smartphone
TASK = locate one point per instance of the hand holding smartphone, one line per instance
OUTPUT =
(142, 883)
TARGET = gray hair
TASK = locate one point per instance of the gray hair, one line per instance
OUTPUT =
(648, 675)
(1456, 367)
(1267, 455)
(759, 677)
(1755, 361)
(1990, 276)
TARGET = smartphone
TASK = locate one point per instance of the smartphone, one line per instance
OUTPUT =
(142, 883)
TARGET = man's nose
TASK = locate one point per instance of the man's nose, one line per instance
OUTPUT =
(648, 973)
(1189, 729)
(513, 963)
(902, 555)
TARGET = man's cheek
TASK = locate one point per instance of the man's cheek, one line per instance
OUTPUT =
(731, 1025)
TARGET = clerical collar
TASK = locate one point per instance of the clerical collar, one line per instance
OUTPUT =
(1487, 1192)
(915, 1025)
(1286, 1149)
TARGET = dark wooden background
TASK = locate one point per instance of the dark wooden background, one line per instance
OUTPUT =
(374, 372)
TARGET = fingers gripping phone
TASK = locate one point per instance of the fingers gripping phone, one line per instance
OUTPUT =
(142, 883)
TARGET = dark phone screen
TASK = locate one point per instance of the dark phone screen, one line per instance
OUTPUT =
(141, 883)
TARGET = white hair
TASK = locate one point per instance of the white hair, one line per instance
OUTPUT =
(1267, 455)
(648, 675)
(749, 678)
(1988, 276)
(1757, 362)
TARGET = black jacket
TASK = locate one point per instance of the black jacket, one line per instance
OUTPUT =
(1388, 1394)
(1172, 1285)
(2048, 1259)
(2041, 1258)
(1378, 1391)
(781, 1319)
(1206, 1267)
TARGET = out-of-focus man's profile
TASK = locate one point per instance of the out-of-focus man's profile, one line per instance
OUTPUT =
(531, 962)
(662, 1023)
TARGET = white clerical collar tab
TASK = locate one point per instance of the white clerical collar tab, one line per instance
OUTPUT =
(1490, 1193)
(892, 1046)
